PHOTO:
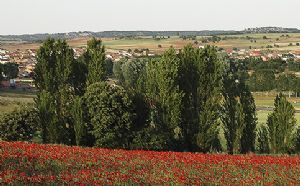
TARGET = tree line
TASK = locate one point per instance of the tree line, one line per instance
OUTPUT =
(275, 74)
(179, 101)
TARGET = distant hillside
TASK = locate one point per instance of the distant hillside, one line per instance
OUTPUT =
(109, 34)
(271, 30)
(72, 35)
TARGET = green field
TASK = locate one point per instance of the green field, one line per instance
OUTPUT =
(262, 116)
(268, 101)
(13, 99)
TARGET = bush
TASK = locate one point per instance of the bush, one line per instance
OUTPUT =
(20, 125)
(111, 113)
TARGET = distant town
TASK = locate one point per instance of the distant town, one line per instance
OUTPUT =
(26, 57)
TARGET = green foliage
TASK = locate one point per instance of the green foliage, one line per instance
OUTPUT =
(294, 66)
(79, 76)
(132, 70)
(262, 80)
(117, 70)
(54, 65)
(54, 79)
(250, 119)
(78, 120)
(238, 113)
(162, 82)
(110, 111)
(200, 80)
(95, 60)
(19, 125)
(9, 70)
(263, 141)
(150, 138)
(281, 124)
(296, 140)
(109, 66)
(286, 82)
(48, 121)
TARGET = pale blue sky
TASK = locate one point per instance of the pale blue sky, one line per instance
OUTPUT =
(41, 16)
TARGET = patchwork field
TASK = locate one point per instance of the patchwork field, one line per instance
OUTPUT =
(239, 41)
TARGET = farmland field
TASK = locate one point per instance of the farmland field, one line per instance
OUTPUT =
(12, 99)
(239, 41)
(25, 163)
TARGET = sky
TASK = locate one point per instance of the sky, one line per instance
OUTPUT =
(56, 16)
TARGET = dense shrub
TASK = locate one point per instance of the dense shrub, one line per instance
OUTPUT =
(19, 125)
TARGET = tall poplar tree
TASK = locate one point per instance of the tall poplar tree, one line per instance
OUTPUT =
(250, 120)
(95, 60)
(281, 124)
(200, 75)
(53, 74)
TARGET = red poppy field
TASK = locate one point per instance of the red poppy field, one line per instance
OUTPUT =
(33, 164)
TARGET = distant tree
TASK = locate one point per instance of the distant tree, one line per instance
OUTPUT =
(132, 70)
(109, 65)
(296, 88)
(118, 71)
(297, 44)
(111, 113)
(262, 80)
(10, 70)
(291, 44)
(286, 82)
(281, 124)
(265, 37)
(159, 46)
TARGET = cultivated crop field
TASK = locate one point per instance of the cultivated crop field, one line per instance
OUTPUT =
(239, 41)
(24, 163)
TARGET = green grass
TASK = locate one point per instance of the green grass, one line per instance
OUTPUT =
(12, 99)
(262, 116)
(268, 101)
